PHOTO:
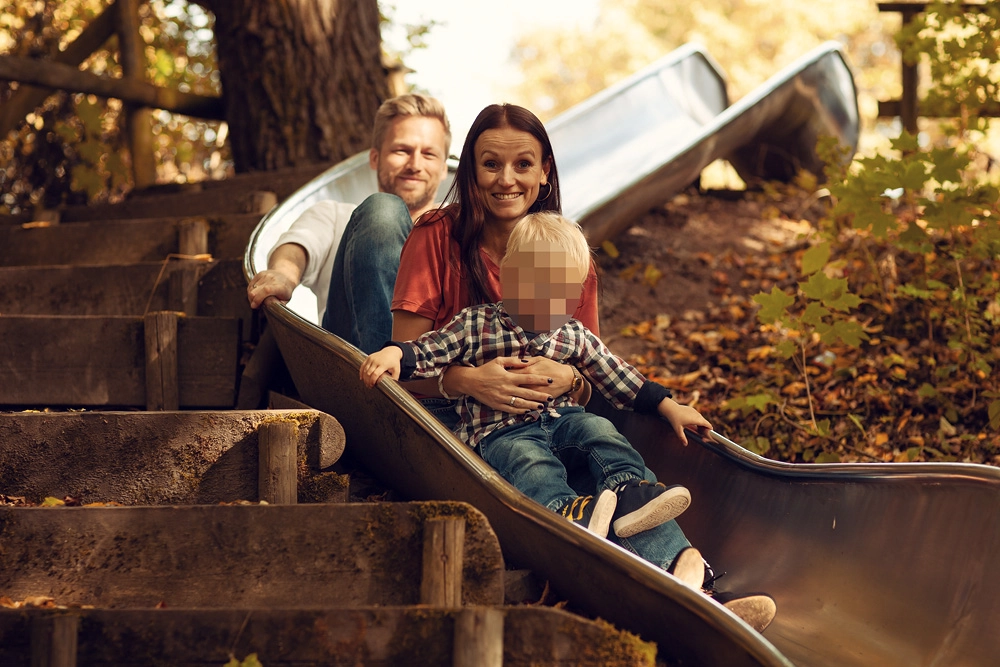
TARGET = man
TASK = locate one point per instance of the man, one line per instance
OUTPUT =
(353, 288)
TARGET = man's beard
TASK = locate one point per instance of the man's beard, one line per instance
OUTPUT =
(414, 199)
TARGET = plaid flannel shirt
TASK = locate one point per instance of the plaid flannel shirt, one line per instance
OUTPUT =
(479, 334)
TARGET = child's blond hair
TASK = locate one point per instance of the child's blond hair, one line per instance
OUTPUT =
(561, 232)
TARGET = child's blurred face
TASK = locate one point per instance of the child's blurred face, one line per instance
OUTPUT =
(541, 290)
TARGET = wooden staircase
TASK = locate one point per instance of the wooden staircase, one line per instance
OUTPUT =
(124, 336)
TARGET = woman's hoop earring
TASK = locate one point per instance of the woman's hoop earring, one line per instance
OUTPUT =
(548, 193)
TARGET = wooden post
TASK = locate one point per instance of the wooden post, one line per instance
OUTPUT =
(53, 640)
(183, 293)
(908, 100)
(478, 638)
(277, 469)
(137, 119)
(192, 236)
(260, 201)
(162, 386)
(444, 543)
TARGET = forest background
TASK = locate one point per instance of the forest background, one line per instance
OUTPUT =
(866, 332)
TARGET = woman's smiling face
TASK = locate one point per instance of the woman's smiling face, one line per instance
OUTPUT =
(509, 172)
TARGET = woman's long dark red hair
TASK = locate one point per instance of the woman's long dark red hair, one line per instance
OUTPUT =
(471, 203)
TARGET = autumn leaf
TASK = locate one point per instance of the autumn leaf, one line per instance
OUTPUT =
(773, 305)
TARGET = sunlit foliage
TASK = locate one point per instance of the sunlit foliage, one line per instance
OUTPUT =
(72, 149)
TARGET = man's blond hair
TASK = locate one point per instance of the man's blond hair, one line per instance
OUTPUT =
(561, 232)
(410, 104)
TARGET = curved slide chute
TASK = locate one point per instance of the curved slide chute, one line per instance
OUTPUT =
(869, 564)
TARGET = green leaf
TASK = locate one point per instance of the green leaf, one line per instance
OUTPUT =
(91, 151)
(772, 305)
(850, 333)
(786, 349)
(832, 292)
(87, 179)
(994, 413)
(760, 401)
(948, 165)
(828, 457)
(90, 114)
(927, 390)
(815, 258)
(814, 314)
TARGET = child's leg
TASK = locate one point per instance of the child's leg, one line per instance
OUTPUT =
(522, 456)
(616, 465)
(609, 456)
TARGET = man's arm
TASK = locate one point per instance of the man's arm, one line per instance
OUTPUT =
(284, 272)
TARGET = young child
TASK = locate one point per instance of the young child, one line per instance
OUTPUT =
(541, 276)
(531, 446)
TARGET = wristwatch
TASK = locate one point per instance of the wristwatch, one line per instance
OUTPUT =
(577, 380)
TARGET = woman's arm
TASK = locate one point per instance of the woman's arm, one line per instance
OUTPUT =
(492, 384)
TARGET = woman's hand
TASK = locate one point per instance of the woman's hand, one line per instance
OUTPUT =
(561, 374)
(505, 383)
(681, 416)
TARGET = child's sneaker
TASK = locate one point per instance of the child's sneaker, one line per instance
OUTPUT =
(642, 506)
(689, 567)
(594, 514)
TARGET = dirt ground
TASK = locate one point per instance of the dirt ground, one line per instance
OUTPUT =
(691, 254)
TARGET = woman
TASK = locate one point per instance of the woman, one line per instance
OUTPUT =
(451, 260)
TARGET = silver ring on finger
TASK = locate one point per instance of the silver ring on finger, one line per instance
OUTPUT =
(512, 399)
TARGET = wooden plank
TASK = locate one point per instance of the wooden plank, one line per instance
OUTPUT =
(66, 77)
(156, 458)
(203, 202)
(441, 583)
(120, 241)
(218, 289)
(217, 556)
(99, 361)
(232, 195)
(276, 462)
(372, 636)
(479, 638)
(160, 334)
(53, 640)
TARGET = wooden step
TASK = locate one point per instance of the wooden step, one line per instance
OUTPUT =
(528, 636)
(282, 182)
(230, 556)
(200, 203)
(126, 241)
(158, 458)
(196, 288)
(106, 361)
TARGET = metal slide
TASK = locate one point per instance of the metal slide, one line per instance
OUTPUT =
(869, 564)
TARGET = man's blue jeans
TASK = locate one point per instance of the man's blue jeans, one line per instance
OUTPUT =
(537, 458)
(364, 272)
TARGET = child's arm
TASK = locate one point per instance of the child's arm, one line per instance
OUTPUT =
(385, 360)
(680, 416)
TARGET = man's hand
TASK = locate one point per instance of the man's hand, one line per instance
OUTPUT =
(284, 272)
(269, 283)
(681, 416)
(385, 360)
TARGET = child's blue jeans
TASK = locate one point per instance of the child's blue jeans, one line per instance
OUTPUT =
(536, 456)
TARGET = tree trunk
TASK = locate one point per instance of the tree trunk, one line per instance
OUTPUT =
(302, 78)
